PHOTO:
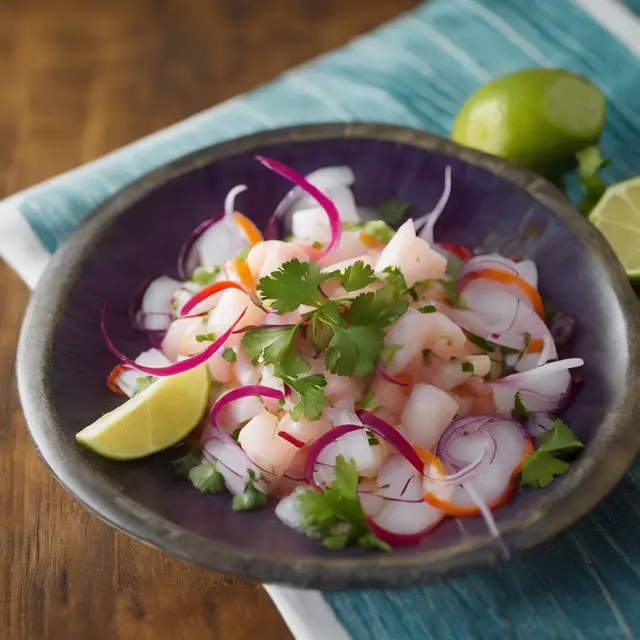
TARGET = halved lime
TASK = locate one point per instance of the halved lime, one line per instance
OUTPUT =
(617, 216)
(538, 118)
(155, 419)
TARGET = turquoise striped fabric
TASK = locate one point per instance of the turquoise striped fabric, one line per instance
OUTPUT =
(417, 71)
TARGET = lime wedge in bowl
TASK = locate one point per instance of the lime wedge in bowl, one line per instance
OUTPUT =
(154, 419)
(617, 216)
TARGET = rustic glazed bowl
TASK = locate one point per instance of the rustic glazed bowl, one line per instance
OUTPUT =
(137, 234)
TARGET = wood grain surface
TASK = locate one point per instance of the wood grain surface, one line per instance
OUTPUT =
(78, 80)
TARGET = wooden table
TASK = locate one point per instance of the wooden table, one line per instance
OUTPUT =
(78, 80)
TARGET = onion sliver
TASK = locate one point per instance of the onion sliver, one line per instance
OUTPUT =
(177, 367)
(544, 389)
(245, 392)
(388, 377)
(332, 213)
(429, 220)
(184, 268)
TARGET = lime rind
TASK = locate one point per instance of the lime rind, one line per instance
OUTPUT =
(617, 217)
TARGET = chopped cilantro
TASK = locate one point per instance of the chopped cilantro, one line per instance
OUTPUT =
(334, 514)
(589, 163)
(426, 353)
(429, 308)
(269, 343)
(204, 275)
(392, 211)
(229, 355)
(452, 296)
(144, 382)
(549, 460)
(368, 401)
(371, 439)
(206, 337)
(518, 407)
(386, 355)
(206, 478)
(175, 304)
(317, 245)
(181, 466)
(480, 342)
(446, 339)
(236, 434)
(468, 367)
(250, 499)
(380, 230)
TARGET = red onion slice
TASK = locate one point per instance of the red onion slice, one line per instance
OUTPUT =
(544, 389)
(207, 292)
(425, 224)
(332, 213)
(388, 377)
(285, 435)
(245, 392)
(185, 265)
(175, 368)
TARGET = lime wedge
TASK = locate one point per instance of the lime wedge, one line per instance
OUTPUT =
(155, 419)
(538, 118)
(617, 216)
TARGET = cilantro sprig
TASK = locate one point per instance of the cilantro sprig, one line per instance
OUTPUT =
(556, 447)
(334, 514)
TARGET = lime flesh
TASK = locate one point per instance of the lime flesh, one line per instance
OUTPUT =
(539, 118)
(617, 216)
(155, 419)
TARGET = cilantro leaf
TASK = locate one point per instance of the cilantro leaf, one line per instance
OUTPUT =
(269, 343)
(518, 407)
(309, 388)
(354, 350)
(204, 275)
(485, 345)
(206, 478)
(560, 440)
(392, 211)
(468, 367)
(590, 161)
(429, 308)
(376, 309)
(357, 276)
(144, 382)
(548, 461)
(539, 470)
(229, 355)
(334, 513)
(293, 284)
(320, 331)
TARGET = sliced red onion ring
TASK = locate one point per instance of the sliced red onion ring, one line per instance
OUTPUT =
(544, 389)
(388, 377)
(177, 367)
(207, 292)
(245, 392)
(332, 213)
(425, 224)
(325, 179)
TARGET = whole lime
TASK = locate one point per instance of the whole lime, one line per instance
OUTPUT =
(538, 118)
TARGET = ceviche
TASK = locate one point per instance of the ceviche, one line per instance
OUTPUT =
(368, 379)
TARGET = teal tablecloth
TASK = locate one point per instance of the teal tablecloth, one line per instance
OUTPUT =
(417, 71)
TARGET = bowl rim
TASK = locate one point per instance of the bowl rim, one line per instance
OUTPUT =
(592, 477)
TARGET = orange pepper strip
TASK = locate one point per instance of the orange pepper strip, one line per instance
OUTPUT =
(504, 277)
(206, 292)
(250, 230)
(471, 512)
(535, 346)
(244, 273)
(111, 380)
(370, 241)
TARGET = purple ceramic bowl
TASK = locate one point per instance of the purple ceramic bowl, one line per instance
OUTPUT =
(137, 234)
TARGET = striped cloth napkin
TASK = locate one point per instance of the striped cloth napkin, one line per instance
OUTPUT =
(417, 71)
